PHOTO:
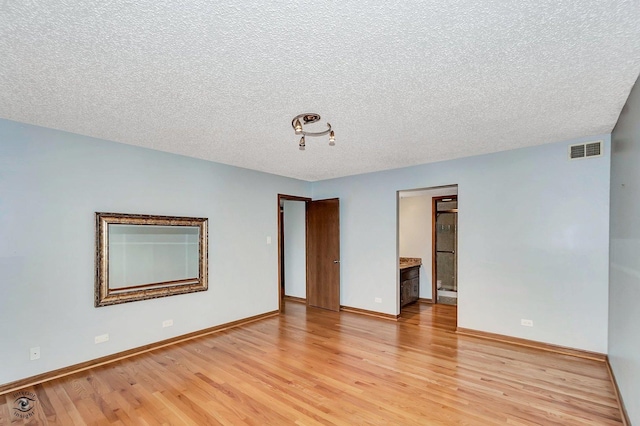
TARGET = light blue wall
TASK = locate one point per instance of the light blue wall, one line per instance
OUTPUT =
(52, 182)
(533, 241)
(624, 287)
(295, 249)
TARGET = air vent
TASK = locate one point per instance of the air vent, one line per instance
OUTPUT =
(585, 150)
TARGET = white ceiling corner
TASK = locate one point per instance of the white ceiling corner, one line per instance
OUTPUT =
(402, 83)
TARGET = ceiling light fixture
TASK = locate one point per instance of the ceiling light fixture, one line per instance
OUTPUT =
(309, 118)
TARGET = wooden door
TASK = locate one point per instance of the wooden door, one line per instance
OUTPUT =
(323, 254)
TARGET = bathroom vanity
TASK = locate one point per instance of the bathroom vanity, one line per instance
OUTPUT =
(409, 280)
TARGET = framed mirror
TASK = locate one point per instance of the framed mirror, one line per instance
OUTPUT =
(142, 257)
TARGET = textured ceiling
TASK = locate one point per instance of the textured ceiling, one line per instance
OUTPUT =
(402, 82)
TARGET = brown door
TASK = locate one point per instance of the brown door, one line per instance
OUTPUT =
(323, 254)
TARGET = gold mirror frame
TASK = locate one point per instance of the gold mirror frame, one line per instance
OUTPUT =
(106, 295)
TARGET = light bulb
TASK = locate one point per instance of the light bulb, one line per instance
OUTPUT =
(301, 144)
(297, 126)
(332, 138)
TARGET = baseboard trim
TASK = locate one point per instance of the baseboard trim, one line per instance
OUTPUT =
(369, 313)
(532, 344)
(427, 301)
(616, 390)
(65, 371)
(295, 299)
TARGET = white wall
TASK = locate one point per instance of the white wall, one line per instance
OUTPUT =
(52, 182)
(415, 230)
(295, 249)
(624, 287)
(533, 241)
(414, 236)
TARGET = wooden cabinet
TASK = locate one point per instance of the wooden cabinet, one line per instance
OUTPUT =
(409, 285)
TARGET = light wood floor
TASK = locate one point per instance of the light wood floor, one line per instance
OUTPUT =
(312, 367)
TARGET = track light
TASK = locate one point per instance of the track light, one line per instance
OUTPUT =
(309, 118)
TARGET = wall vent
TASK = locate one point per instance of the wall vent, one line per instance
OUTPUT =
(585, 150)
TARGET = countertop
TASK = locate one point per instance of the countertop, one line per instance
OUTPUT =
(409, 262)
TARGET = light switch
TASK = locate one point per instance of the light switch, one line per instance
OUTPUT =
(268, 240)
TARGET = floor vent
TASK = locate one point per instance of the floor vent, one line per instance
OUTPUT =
(585, 150)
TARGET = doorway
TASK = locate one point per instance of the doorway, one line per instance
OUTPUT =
(445, 249)
(309, 251)
(416, 236)
(292, 248)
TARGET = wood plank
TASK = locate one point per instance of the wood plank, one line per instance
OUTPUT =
(318, 367)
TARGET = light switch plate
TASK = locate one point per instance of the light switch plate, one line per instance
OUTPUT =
(34, 353)
(101, 338)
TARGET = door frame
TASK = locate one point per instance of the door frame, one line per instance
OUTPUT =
(281, 198)
(434, 272)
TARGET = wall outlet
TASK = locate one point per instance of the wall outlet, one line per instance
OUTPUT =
(526, 322)
(378, 300)
(34, 353)
(101, 338)
(167, 323)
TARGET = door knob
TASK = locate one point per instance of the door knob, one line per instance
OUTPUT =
(336, 261)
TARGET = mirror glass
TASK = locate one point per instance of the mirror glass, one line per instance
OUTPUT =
(143, 255)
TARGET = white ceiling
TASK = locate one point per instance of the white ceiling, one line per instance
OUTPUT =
(402, 82)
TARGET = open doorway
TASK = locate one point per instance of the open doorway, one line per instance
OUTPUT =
(309, 251)
(292, 248)
(416, 237)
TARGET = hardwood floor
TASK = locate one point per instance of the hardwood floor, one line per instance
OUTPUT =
(317, 367)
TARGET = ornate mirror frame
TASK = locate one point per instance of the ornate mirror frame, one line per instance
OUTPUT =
(106, 294)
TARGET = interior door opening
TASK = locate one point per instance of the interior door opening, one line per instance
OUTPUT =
(309, 251)
(417, 246)
(292, 251)
(294, 275)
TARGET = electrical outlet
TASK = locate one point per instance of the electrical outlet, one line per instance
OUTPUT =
(101, 338)
(34, 353)
(378, 300)
(526, 322)
(167, 323)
